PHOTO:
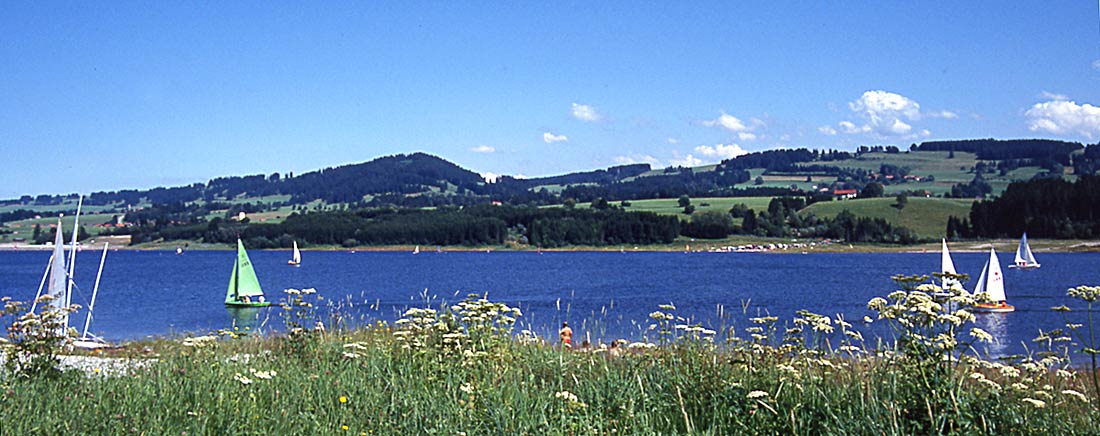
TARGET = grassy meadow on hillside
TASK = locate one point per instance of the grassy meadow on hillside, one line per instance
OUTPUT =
(925, 216)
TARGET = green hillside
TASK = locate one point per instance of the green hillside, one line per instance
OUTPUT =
(671, 206)
(925, 216)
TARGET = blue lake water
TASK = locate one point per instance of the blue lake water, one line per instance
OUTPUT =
(603, 295)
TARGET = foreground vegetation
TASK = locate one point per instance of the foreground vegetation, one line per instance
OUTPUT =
(464, 370)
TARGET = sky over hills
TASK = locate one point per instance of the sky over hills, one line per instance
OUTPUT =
(107, 96)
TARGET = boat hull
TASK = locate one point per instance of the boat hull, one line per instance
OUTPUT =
(293, 263)
(994, 308)
(1024, 267)
(248, 304)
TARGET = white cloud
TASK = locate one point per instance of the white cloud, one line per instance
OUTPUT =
(483, 149)
(686, 161)
(586, 113)
(746, 136)
(851, 128)
(720, 151)
(520, 176)
(826, 130)
(1096, 65)
(490, 177)
(551, 138)
(1052, 96)
(634, 158)
(1065, 117)
(887, 115)
(728, 122)
(673, 141)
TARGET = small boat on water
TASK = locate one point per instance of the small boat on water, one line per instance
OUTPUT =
(296, 257)
(416, 250)
(1024, 258)
(992, 283)
(244, 287)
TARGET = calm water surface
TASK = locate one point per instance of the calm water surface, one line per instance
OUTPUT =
(604, 295)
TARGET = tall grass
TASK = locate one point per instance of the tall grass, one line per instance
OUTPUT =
(464, 370)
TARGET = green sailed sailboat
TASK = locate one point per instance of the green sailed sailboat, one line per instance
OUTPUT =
(244, 288)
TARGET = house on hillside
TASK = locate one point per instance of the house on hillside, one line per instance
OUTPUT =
(844, 194)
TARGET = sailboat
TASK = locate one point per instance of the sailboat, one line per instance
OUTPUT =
(416, 250)
(947, 266)
(992, 282)
(296, 258)
(243, 284)
(59, 287)
(1024, 258)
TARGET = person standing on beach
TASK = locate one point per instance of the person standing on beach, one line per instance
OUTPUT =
(566, 334)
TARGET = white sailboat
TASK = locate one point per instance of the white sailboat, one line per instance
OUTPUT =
(296, 257)
(992, 283)
(59, 286)
(416, 250)
(1024, 258)
(947, 266)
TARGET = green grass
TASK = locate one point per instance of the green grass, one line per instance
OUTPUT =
(925, 216)
(671, 206)
(475, 377)
(25, 228)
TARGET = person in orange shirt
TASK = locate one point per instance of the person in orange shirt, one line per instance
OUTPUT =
(566, 334)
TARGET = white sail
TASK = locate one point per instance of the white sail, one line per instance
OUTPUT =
(992, 281)
(948, 266)
(57, 284)
(1024, 257)
(416, 250)
(297, 254)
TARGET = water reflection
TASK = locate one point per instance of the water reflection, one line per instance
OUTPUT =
(251, 319)
(996, 324)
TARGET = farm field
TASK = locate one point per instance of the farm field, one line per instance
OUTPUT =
(925, 216)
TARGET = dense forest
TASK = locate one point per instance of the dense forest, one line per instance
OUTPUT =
(994, 149)
(1044, 208)
(479, 225)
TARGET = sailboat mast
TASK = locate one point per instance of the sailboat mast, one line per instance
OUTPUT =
(72, 256)
(41, 285)
(95, 290)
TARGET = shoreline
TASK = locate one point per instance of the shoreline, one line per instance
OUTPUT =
(715, 247)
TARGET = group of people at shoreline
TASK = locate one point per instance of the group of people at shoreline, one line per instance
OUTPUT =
(565, 335)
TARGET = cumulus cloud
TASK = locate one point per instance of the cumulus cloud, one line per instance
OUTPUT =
(734, 124)
(1065, 117)
(634, 159)
(490, 177)
(746, 136)
(886, 115)
(720, 151)
(551, 138)
(673, 141)
(483, 149)
(686, 161)
(586, 113)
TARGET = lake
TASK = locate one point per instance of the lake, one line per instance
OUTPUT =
(604, 295)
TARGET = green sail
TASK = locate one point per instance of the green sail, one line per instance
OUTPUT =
(243, 282)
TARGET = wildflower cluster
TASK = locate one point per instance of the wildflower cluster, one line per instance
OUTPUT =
(303, 326)
(927, 318)
(672, 328)
(471, 327)
(34, 339)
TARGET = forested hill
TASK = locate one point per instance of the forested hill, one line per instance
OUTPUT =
(994, 149)
(391, 175)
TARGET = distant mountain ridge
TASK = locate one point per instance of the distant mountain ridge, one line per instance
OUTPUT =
(420, 179)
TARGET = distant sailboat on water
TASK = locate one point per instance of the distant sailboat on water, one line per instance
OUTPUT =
(243, 284)
(295, 257)
(1024, 258)
(992, 283)
(416, 250)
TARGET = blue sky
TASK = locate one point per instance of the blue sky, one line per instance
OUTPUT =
(105, 96)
